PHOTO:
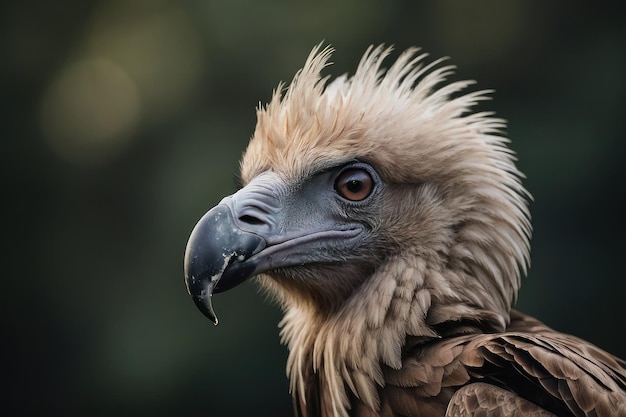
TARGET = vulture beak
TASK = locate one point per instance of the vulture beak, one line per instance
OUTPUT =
(263, 227)
(214, 257)
(221, 245)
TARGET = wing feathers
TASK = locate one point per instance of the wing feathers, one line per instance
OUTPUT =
(480, 399)
(517, 373)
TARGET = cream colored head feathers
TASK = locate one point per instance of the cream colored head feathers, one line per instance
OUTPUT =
(414, 130)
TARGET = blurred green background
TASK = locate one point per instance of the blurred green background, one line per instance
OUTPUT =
(123, 122)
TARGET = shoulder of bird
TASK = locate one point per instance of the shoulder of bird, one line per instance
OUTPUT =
(527, 370)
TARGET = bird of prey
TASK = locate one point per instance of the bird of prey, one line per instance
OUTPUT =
(388, 220)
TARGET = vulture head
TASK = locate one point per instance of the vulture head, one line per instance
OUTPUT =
(379, 211)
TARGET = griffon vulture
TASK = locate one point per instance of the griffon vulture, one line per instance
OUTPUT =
(390, 223)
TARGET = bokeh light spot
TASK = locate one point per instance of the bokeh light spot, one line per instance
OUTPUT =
(89, 111)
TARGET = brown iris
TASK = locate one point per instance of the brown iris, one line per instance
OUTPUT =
(354, 184)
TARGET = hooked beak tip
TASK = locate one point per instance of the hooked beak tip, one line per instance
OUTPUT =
(205, 305)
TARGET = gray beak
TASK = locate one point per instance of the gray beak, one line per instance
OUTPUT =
(265, 227)
(215, 257)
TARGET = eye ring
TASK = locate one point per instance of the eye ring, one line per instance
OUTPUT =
(354, 184)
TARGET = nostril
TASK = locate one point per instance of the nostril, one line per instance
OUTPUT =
(251, 220)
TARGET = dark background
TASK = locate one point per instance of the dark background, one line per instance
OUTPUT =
(123, 122)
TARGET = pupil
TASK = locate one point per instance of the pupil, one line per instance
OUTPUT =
(354, 186)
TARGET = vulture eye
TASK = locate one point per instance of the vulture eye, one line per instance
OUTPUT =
(354, 184)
